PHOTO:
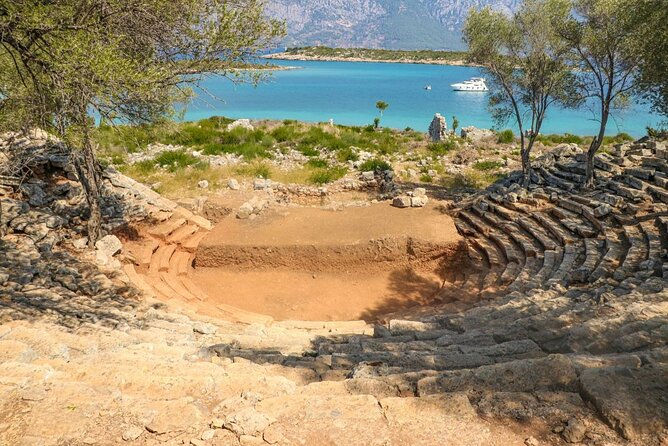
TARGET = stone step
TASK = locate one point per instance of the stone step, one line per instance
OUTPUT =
(614, 251)
(160, 260)
(527, 243)
(530, 226)
(142, 251)
(176, 285)
(638, 249)
(244, 317)
(163, 230)
(554, 228)
(180, 263)
(655, 252)
(160, 288)
(593, 255)
(193, 241)
(182, 234)
(193, 289)
(137, 279)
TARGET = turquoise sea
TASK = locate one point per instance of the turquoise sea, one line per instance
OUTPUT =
(348, 91)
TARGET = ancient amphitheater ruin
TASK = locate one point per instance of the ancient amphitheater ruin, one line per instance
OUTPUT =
(550, 324)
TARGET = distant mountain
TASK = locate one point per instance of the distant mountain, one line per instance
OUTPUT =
(388, 24)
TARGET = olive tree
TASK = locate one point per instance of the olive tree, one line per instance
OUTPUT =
(527, 63)
(131, 61)
(650, 42)
(601, 35)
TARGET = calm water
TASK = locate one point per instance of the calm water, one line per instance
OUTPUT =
(348, 91)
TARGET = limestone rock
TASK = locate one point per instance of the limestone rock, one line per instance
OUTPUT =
(602, 210)
(132, 433)
(632, 400)
(247, 421)
(204, 184)
(575, 431)
(418, 202)
(204, 328)
(242, 123)
(476, 135)
(437, 128)
(109, 245)
(233, 184)
(402, 202)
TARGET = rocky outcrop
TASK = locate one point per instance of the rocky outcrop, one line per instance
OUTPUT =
(438, 128)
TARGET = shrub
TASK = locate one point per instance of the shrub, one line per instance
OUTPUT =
(255, 170)
(346, 155)
(487, 165)
(317, 163)
(425, 178)
(506, 137)
(193, 135)
(285, 133)
(324, 176)
(566, 138)
(617, 139)
(175, 160)
(443, 147)
(375, 165)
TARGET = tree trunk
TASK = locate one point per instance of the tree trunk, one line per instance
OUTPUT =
(526, 168)
(589, 182)
(589, 174)
(86, 165)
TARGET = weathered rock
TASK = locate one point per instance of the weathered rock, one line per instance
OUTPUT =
(438, 128)
(132, 433)
(109, 245)
(247, 422)
(204, 184)
(602, 210)
(242, 123)
(476, 135)
(418, 202)
(575, 431)
(633, 401)
(233, 184)
(402, 202)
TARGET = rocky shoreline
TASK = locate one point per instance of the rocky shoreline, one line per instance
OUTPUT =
(303, 57)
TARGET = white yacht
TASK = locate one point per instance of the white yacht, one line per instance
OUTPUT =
(473, 84)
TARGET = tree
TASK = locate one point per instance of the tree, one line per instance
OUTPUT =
(527, 63)
(130, 61)
(455, 124)
(650, 42)
(600, 33)
(382, 106)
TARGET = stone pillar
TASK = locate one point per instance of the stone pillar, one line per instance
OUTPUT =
(437, 128)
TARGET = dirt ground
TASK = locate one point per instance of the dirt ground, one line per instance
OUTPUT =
(314, 264)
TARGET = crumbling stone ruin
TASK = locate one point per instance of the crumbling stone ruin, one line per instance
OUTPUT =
(558, 321)
(438, 128)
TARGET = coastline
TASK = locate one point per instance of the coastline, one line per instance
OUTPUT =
(303, 57)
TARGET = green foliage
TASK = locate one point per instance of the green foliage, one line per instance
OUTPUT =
(317, 163)
(425, 178)
(526, 60)
(443, 147)
(506, 137)
(175, 160)
(376, 122)
(329, 175)
(380, 54)
(566, 138)
(192, 135)
(376, 165)
(382, 106)
(255, 170)
(347, 154)
(455, 124)
(487, 165)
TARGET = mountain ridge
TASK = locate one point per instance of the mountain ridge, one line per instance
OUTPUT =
(386, 24)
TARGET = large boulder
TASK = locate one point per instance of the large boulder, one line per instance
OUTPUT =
(243, 123)
(476, 135)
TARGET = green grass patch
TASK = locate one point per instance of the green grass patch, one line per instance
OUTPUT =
(506, 137)
(174, 160)
(425, 178)
(443, 147)
(376, 165)
(566, 138)
(317, 163)
(324, 176)
(487, 165)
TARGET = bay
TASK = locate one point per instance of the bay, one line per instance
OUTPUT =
(348, 91)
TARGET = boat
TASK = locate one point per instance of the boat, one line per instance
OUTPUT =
(428, 87)
(473, 84)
